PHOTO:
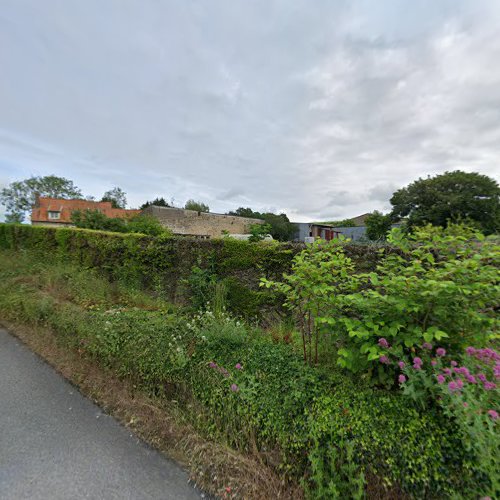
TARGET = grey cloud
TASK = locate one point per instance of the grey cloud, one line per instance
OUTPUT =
(231, 194)
(311, 110)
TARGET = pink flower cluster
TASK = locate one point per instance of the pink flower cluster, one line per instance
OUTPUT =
(383, 343)
(220, 369)
(461, 374)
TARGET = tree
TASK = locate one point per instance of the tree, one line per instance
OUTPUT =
(116, 196)
(93, 219)
(144, 224)
(450, 197)
(197, 206)
(19, 196)
(14, 218)
(281, 227)
(157, 202)
(343, 223)
(246, 212)
(258, 232)
(378, 225)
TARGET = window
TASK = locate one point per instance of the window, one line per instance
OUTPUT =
(54, 215)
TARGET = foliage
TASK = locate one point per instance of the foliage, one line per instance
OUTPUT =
(116, 196)
(281, 227)
(141, 223)
(244, 391)
(319, 273)
(158, 202)
(258, 232)
(442, 285)
(14, 218)
(95, 219)
(343, 223)
(197, 206)
(467, 392)
(378, 225)
(162, 264)
(146, 224)
(19, 196)
(450, 197)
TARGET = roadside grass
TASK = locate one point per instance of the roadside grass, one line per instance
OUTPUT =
(44, 302)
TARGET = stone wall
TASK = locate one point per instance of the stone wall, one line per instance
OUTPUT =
(190, 222)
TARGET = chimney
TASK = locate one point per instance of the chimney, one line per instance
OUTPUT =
(37, 199)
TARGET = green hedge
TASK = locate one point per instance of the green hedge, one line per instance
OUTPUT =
(164, 265)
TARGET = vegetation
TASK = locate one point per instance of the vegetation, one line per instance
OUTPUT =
(342, 223)
(197, 206)
(451, 197)
(158, 202)
(163, 266)
(249, 392)
(281, 227)
(395, 339)
(19, 196)
(259, 231)
(378, 225)
(442, 286)
(94, 219)
(116, 196)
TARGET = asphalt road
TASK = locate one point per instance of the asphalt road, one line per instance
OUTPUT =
(56, 444)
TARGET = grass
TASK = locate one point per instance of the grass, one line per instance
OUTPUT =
(157, 419)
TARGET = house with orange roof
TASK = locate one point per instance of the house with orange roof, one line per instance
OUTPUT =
(57, 211)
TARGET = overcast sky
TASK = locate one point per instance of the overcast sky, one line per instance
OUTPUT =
(320, 108)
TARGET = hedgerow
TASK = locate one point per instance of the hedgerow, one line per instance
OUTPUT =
(164, 265)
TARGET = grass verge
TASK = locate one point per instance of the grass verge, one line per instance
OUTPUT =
(214, 468)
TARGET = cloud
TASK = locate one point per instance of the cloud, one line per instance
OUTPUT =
(323, 112)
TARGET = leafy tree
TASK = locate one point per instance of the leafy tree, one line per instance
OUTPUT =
(13, 218)
(197, 206)
(158, 202)
(116, 196)
(450, 197)
(378, 225)
(281, 227)
(146, 224)
(343, 223)
(259, 232)
(94, 219)
(246, 212)
(441, 286)
(19, 196)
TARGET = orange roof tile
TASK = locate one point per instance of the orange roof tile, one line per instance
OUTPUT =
(45, 205)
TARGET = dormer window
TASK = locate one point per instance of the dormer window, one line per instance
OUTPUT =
(54, 215)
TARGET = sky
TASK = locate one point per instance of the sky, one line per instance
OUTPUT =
(318, 108)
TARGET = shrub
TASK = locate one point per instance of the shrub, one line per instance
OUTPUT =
(465, 387)
(442, 285)
(258, 232)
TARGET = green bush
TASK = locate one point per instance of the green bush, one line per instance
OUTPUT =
(442, 285)
(161, 265)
